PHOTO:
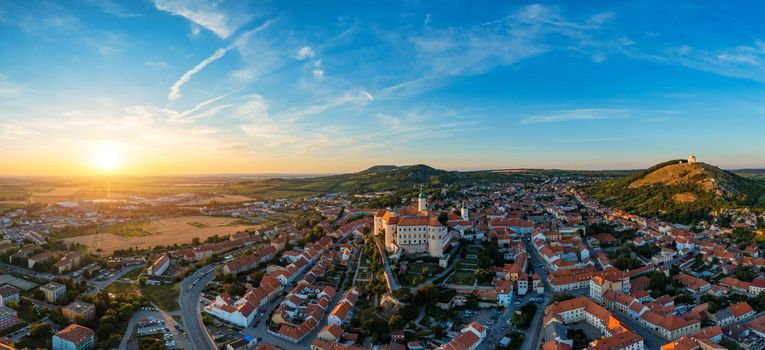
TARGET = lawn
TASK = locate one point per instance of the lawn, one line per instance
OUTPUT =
(463, 278)
(165, 296)
(473, 249)
(419, 268)
(467, 265)
(421, 271)
(134, 274)
(119, 287)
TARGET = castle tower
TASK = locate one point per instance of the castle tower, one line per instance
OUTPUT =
(692, 159)
(422, 201)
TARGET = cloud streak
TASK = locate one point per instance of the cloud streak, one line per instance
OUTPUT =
(210, 15)
(576, 115)
(525, 33)
(745, 62)
(9, 89)
(13, 132)
(175, 90)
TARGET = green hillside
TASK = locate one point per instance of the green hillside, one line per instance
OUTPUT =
(678, 191)
(376, 178)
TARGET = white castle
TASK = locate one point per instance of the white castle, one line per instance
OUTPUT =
(412, 230)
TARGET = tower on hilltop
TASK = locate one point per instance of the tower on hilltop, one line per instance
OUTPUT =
(692, 159)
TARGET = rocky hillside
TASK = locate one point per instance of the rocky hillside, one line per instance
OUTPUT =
(679, 191)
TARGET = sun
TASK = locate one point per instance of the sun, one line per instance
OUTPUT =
(106, 157)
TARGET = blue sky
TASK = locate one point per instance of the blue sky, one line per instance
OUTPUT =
(319, 86)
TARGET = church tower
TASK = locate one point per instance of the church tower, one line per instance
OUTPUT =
(422, 201)
(464, 212)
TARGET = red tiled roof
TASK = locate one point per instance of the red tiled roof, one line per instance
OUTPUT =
(76, 334)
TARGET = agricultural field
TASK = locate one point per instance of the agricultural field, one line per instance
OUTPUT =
(163, 231)
(9, 205)
(222, 199)
(121, 229)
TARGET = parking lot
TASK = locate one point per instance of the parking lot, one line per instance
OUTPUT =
(151, 322)
(155, 325)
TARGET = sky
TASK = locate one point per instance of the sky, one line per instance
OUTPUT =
(201, 86)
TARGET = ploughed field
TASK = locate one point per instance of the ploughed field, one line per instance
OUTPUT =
(163, 231)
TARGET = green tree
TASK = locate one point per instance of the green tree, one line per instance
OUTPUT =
(40, 330)
(558, 297)
(396, 322)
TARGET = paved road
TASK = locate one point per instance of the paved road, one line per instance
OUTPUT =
(21, 333)
(497, 331)
(41, 303)
(651, 340)
(191, 291)
(115, 276)
(532, 342)
(389, 278)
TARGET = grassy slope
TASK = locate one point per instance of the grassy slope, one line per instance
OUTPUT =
(659, 199)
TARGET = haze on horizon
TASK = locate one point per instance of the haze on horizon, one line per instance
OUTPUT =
(210, 87)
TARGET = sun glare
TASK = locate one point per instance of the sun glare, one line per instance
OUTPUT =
(106, 157)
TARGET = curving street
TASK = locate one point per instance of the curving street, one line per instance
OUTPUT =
(389, 278)
(191, 291)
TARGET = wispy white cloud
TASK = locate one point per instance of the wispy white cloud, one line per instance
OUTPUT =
(287, 136)
(212, 15)
(577, 115)
(112, 8)
(13, 131)
(239, 43)
(593, 140)
(318, 71)
(523, 34)
(9, 89)
(51, 22)
(175, 90)
(745, 62)
(304, 52)
(357, 98)
(156, 64)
